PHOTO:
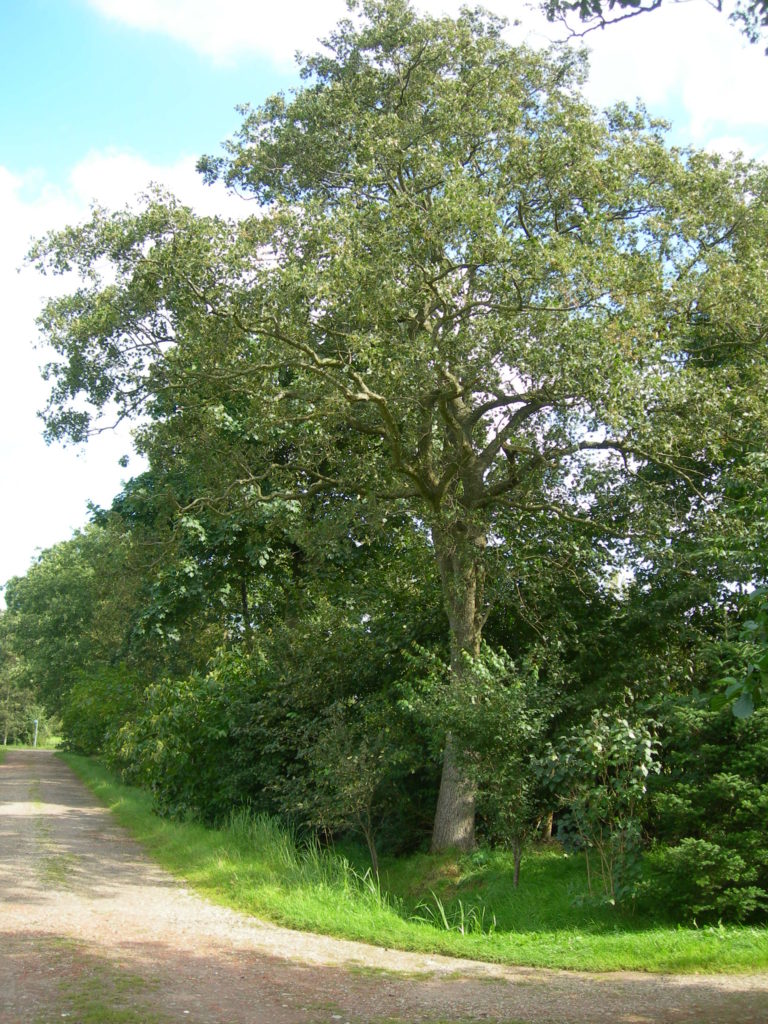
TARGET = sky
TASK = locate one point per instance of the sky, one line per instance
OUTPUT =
(100, 98)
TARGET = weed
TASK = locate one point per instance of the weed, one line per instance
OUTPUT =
(467, 920)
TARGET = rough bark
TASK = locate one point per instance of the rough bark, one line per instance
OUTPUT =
(455, 815)
(459, 557)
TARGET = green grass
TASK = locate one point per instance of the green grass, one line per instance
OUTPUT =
(43, 743)
(255, 866)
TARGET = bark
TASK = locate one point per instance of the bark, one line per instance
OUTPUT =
(459, 553)
(517, 856)
(455, 815)
(246, 611)
(546, 833)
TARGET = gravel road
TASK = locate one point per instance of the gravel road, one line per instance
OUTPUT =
(92, 932)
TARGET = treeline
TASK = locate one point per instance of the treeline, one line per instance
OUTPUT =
(223, 664)
(456, 495)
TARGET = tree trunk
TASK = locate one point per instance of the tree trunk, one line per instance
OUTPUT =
(517, 856)
(546, 832)
(370, 840)
(246, 611)
(455, 815)
(459, 554)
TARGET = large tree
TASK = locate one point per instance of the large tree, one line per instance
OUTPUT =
(464, 295)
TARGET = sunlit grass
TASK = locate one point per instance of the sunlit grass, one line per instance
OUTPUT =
(464, 907)
(43, 743)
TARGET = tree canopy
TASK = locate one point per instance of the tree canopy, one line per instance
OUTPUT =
(465, 299)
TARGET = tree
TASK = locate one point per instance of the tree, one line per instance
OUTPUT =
(466, 298)
(70, 610)
(599, 773)
(750, 15)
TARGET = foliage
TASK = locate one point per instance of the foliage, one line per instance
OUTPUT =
(709, 811)
(69, 612)
(496, 712)
(705, 881)
(746, 686)
(357, 748)
(182, 744)
(751, 16)
(100, 701)
(599, 773)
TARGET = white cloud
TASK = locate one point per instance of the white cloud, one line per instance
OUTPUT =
(689, 61)
(114, 179)
(229, 29)
(731, 145)
(685, 57)
(45, 490)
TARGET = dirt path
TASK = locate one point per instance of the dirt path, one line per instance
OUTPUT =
(91, 932)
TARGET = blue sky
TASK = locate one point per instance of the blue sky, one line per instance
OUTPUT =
(100, 97)
(74, 81)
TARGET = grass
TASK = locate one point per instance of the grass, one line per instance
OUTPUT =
(463, 907)
(94, 991)
(43, 743)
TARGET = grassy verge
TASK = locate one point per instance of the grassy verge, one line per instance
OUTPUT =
(462, 907)
(46, 743)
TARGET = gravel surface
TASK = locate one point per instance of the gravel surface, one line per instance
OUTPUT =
(92, 932)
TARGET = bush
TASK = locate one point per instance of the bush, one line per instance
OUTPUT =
(181, 747)
(599, 773)
(710, 808)
(702, 880)
(96, 707)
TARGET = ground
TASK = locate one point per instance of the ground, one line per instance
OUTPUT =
(92, 932)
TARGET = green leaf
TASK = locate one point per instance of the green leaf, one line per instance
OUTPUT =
(744, 706)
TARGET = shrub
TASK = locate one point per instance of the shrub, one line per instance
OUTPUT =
(702, 880)
(709, 813)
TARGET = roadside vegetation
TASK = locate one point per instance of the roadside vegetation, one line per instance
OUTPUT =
(460, 905)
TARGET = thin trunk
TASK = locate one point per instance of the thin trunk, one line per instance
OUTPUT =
(247, 628)
(517, 856)
(546, 832)
(459, 558)
(370, 840)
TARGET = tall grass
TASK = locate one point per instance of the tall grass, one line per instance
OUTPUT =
(464, 907)
(299, 863)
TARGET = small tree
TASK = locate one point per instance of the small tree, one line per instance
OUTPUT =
(354, 751)
(598, 773)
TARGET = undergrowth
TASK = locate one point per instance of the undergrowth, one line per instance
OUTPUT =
(460, 906)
